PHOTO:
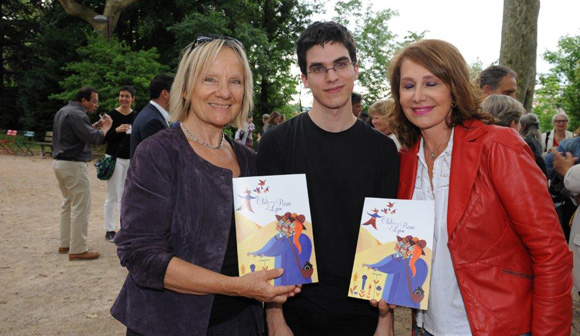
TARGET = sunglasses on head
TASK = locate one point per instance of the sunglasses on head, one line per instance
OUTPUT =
(202, 39)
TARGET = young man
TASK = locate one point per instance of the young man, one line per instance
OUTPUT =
(344, 160)
(356, 102)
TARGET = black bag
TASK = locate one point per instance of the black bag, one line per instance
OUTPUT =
(105, 167)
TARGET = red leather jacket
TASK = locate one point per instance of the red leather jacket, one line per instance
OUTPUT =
(510, 257)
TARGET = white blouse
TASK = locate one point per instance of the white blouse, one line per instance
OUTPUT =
(446, 311)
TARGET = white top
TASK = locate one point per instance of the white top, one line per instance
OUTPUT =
(164, 113)
(446, 313)
(572, 180)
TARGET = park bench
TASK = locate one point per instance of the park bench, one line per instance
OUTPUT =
(25, 143)
(8, 141)
(46, 143)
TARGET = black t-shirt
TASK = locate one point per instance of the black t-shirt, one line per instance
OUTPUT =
(119, 144)
(341, 170)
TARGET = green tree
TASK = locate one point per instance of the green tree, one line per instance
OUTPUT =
(268, 29)
(561, 86)
(108, 65)
(18, 28)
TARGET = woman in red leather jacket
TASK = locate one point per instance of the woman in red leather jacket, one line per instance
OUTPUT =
(501, 265)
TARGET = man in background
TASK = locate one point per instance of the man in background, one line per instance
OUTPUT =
(72, 137)
(356, 101)
(498, 79)
(154, 117)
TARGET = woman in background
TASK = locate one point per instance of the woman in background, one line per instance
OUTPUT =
(244, 134)
(273, 121)
(119, 146)
(379, 118)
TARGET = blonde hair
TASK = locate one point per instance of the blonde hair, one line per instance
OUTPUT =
(381, 108)
(195, 62)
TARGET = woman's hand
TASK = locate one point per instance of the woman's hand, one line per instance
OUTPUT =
(255, 285)
(123, 128)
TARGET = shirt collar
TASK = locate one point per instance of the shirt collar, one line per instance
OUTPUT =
(161, 109)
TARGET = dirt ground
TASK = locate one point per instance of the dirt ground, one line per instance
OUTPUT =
(43, 293)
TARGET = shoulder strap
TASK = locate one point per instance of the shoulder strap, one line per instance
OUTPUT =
(547, 136)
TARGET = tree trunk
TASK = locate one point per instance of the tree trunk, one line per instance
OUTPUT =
(113, 10)
(519, 41)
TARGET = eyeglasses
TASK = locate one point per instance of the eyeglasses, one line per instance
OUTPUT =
(561, 121)
(339, 67)
(202, 39)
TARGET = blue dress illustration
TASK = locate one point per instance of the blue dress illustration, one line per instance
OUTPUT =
(292, 252)
(405, 277)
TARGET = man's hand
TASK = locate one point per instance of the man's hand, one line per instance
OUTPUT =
(276, 322)
(106, 122)
(386, 324)
(563, 163)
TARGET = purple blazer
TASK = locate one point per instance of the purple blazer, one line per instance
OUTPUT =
(175, 204)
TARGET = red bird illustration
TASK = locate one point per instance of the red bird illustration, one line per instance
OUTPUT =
(258, 190)
(390, 205)
(267, 189)
(262, 183)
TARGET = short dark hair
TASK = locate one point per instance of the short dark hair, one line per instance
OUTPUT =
(129, 89)
(320, 33)
(355, 98)
(85, 93)
(158, 84)
(493, 75)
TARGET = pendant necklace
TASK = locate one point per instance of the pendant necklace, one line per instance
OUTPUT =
(432, 152)
(205, 144)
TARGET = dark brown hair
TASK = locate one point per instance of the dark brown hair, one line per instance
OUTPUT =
(445, 62)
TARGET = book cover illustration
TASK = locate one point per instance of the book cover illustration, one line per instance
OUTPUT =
(394, 251)
(274, 227)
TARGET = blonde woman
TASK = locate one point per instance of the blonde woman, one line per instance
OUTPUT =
(177, 237)
(379, 112)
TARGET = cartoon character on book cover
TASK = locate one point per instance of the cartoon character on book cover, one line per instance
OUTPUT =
(273, 227)
(394, 252)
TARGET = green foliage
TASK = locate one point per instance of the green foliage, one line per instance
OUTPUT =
(19, 26)
(475, 69)
(268, 31)
(561, 86)
(108, 65)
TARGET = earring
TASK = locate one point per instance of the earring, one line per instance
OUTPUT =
(453, 105)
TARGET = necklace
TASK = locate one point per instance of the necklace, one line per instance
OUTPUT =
(205, 144)
(432, 152)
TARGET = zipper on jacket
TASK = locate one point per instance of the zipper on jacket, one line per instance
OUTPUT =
(518, 274)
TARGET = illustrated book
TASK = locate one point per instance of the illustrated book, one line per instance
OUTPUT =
(274, 227)
(394, 251)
